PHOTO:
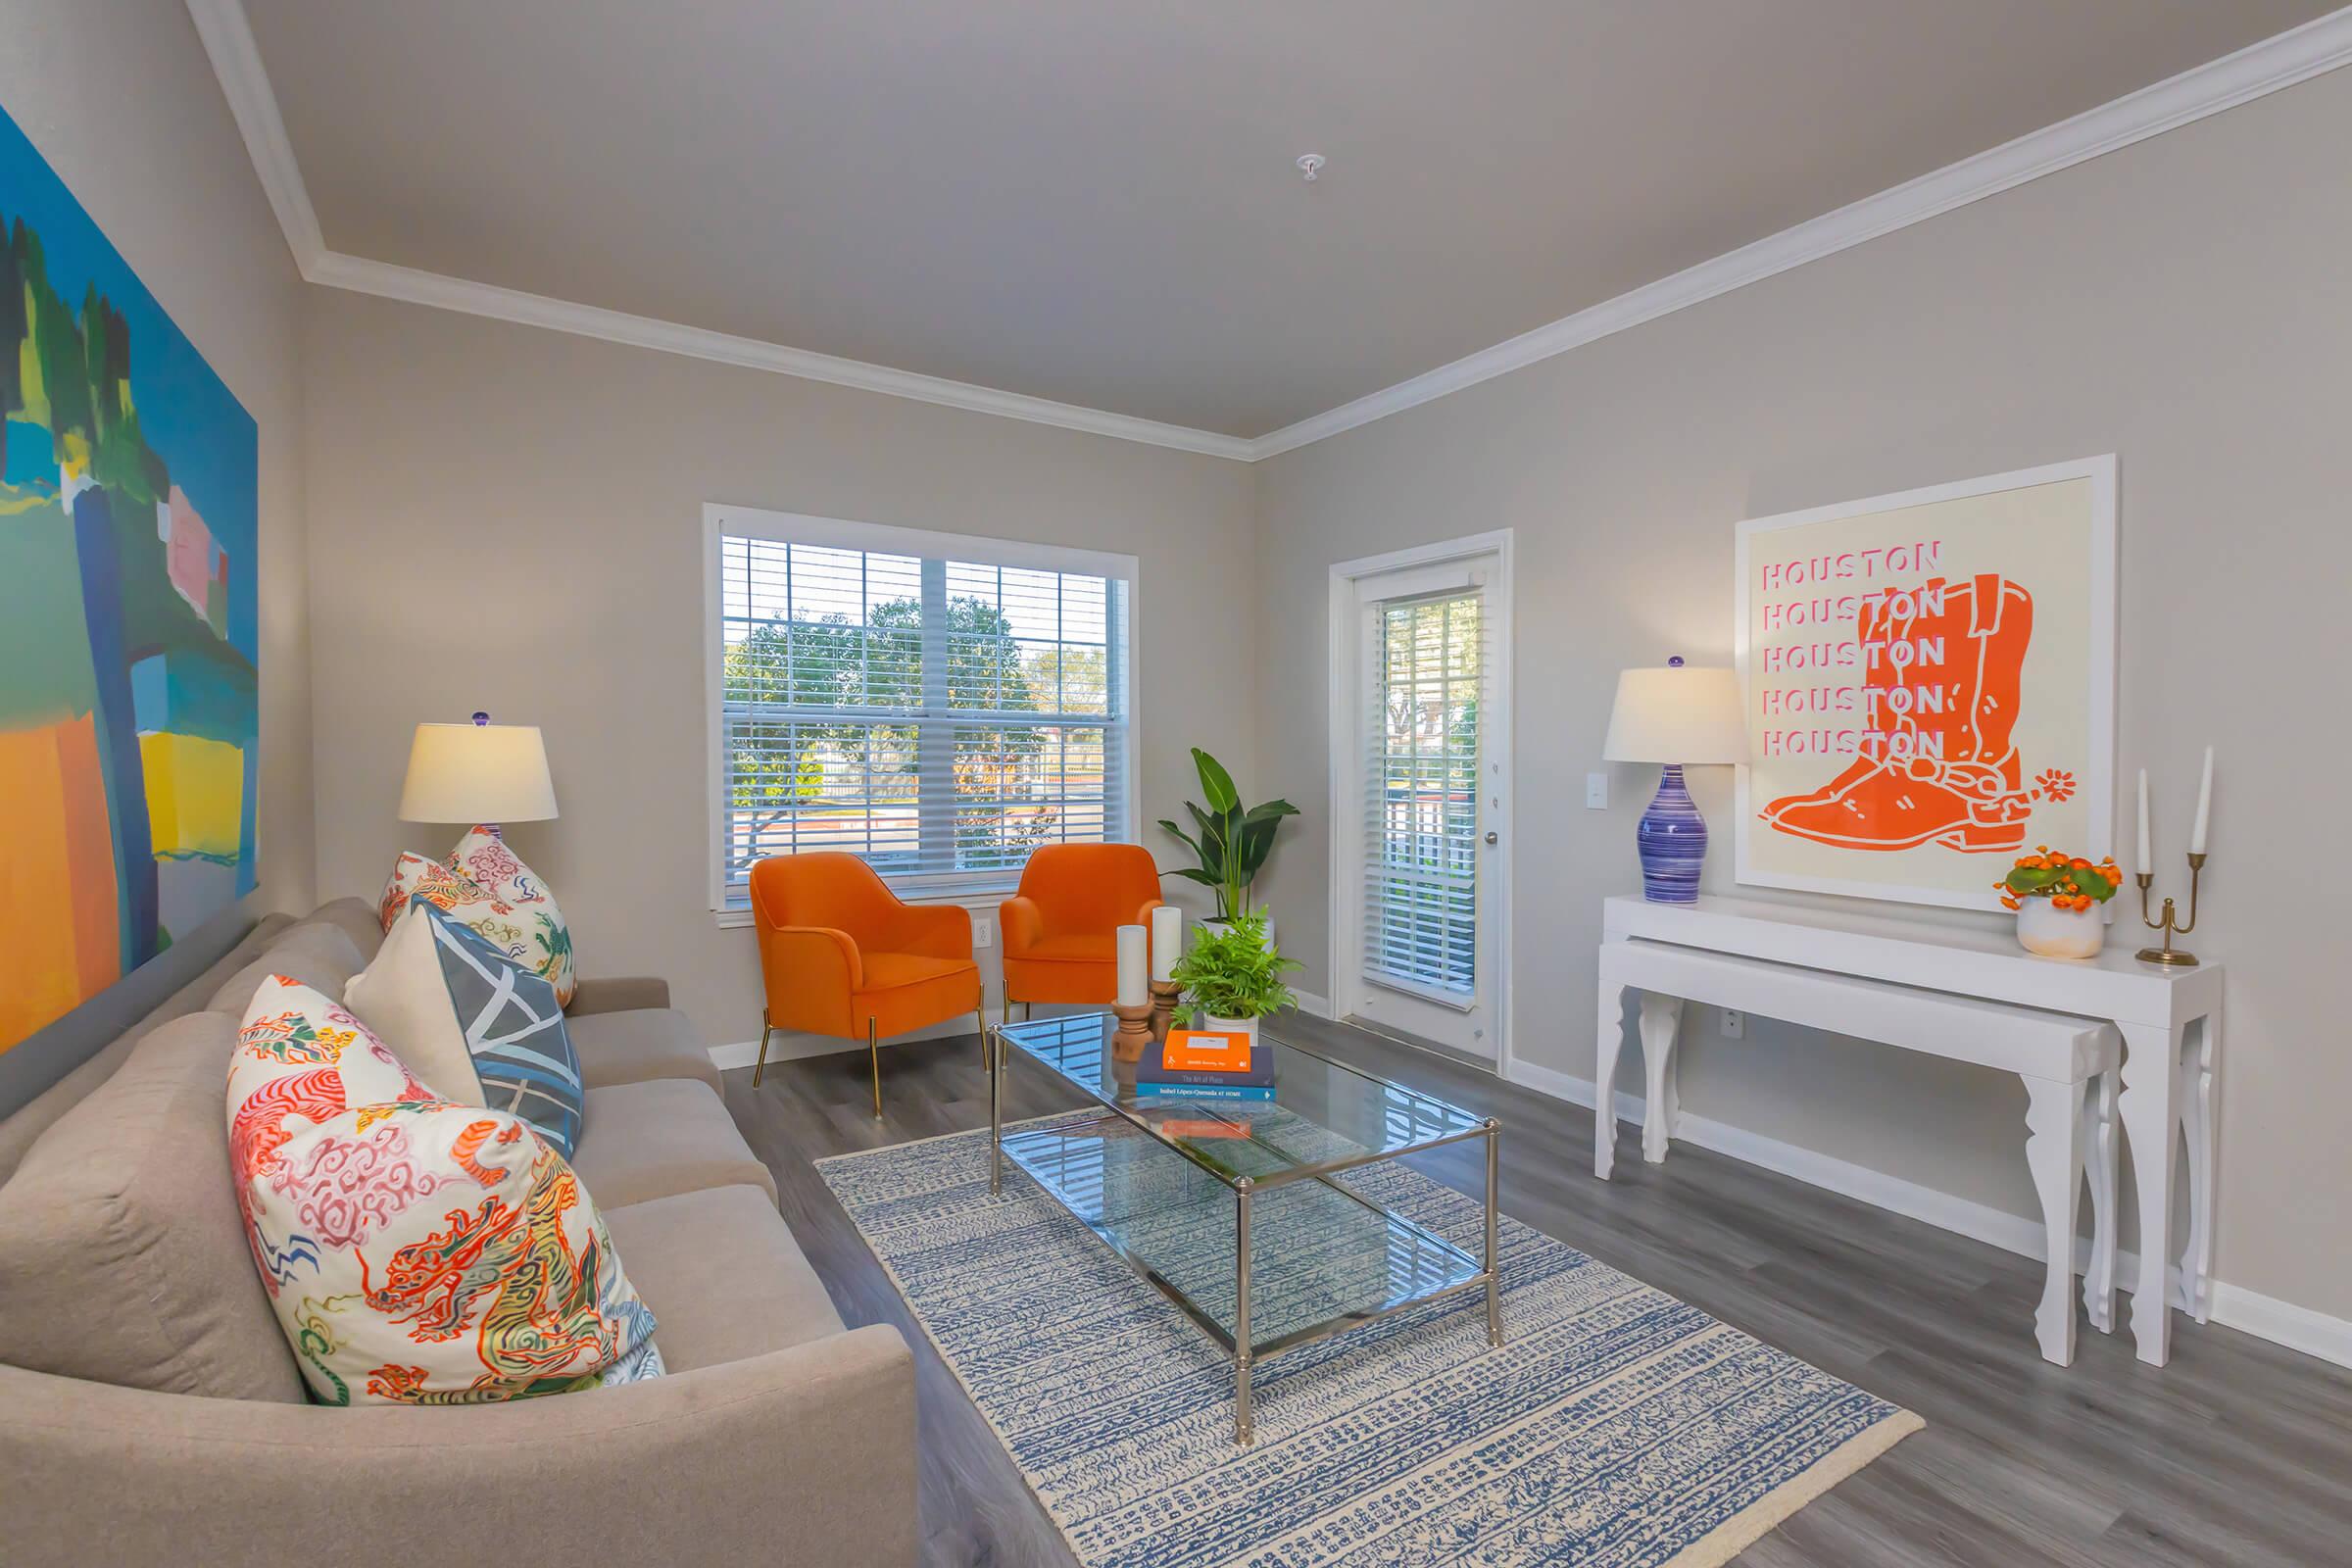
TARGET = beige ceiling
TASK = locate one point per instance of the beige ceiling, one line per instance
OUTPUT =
(1095, 201)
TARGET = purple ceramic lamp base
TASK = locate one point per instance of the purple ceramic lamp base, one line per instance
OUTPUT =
(1673, 841)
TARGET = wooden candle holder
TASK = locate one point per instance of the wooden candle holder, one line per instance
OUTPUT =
(1163, 1007)
(1134, 1033)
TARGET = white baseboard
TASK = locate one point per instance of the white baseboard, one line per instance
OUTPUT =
(2264, 1317)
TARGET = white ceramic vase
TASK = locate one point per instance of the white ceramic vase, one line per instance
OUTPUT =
(2054, 933)
(1231, 1026)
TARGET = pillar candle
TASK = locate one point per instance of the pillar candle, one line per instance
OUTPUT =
(1167, 940)
(1130, 966)
(2196, 835)
(2147, 856)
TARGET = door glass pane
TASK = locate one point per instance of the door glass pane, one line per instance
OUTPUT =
(1421, 861)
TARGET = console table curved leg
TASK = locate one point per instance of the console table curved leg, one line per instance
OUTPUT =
(2099, 1160)
(2054, 1154)
(2151, 1117)
(1609, 1038)
(1659, 1017)
(2200, 1118)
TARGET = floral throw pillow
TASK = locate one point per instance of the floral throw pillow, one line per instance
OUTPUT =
(483, 858)
(417, 1251)
(531, 934)
(301, 1060)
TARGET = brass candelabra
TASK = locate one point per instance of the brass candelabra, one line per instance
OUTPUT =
(2171, 925)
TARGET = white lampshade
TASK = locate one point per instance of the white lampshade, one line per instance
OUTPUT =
(478, 773)
(1677, 714)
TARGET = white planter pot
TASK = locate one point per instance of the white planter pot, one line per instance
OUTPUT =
(2054, 933)
(1231, 1026)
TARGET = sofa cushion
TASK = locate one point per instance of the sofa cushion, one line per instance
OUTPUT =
(452, 1258)
(354, 918)
(122, 1256)
(653, 1140)
(721, 1271)
(638, 1046)
(320, 957)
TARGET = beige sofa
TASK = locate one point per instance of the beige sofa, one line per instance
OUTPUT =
(150, 1412)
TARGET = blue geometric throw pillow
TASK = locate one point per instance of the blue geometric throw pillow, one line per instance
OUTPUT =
(515, 1032)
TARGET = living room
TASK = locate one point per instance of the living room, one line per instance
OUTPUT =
(768, 627)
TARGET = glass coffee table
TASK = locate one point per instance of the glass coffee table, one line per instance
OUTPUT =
(1232, 1209)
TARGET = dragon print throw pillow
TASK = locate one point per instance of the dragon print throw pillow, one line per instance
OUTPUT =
(415, 1252)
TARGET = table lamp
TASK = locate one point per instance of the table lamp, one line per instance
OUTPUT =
(1677, 716)
(478, 773)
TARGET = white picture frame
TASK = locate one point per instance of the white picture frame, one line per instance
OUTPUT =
(1825, 626)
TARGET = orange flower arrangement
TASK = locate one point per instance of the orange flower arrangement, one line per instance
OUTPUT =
(2067, 881)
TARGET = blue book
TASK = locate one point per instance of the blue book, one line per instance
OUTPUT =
(1251, 1092)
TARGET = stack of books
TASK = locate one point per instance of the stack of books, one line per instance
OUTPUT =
(1205, 1064)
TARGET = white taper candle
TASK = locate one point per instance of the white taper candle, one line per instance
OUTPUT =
(2196, 835)
(2147, 856)
(1132, 939)
(1167, 940)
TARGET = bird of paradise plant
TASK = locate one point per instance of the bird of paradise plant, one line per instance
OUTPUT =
(1233, 843)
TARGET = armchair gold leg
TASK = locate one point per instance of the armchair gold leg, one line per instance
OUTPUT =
(761, 1066)
(873, 1052)
(980, 1018)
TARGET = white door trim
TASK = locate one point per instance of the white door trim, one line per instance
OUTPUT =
(1346, 779)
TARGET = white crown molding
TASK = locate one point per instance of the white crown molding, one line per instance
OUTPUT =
(2298, 55)
(2294, 56)
(227, 39)
(388, 282)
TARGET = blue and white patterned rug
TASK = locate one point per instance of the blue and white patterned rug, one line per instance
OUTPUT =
(1616, 1426)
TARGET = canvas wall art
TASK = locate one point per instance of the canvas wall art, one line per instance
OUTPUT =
(129, 652)
(1929, 680)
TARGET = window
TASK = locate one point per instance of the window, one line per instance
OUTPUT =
(936, 705)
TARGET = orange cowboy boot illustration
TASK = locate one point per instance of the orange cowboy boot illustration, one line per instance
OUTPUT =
(1942, 674)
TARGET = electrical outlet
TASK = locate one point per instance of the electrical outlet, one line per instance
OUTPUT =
(1597, 792)
(984, 932)
(1735, 1024)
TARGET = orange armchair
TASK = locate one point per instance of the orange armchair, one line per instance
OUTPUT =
(842, 955)
(1062, 928)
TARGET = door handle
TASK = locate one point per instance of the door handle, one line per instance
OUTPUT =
(1494, 838)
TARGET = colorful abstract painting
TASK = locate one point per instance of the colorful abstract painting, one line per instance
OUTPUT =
(129, 657)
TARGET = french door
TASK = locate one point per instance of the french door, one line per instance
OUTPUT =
(1422, 953)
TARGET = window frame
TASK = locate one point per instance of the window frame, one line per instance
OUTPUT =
(720, 521)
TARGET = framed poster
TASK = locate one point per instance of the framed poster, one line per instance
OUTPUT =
(1929, 680)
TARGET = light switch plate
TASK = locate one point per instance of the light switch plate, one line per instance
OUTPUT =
(1597, 792)
(1735, 1024)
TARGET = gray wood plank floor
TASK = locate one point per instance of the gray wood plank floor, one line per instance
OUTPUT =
(2238, 1452)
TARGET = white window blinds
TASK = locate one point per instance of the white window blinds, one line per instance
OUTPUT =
(938, 717)
(1421, 794)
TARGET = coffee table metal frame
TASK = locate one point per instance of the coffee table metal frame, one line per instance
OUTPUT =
(1237, 1341)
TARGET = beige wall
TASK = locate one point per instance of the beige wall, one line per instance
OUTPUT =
(119, 98)
(511, 520)
(2185, 303)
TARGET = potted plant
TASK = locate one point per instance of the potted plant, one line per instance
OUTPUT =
(1232, 977)
(2057, 898)
(1233, 842)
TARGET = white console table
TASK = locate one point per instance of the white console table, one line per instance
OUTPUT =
(2170, 1020)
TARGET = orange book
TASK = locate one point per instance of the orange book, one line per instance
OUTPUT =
(1202, 1050)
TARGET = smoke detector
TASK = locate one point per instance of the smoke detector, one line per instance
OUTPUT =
(1310, 164)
